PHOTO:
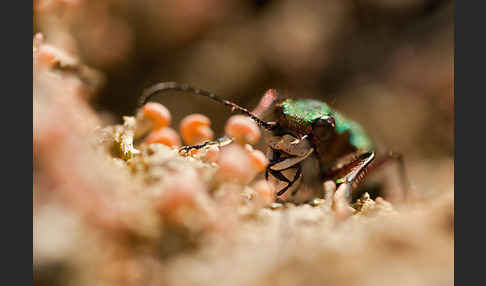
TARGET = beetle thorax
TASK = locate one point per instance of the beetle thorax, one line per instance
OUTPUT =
(290, 145)
(299, 114)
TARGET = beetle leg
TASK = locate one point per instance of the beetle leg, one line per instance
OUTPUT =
(353, 173)
(291, 161)
(220, 142)
(269, 166)
(297, 176)
(266, 102)
(392, 156)
(278, 173)
(281, 177)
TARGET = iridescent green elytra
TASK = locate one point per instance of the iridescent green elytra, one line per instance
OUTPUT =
(301, 113)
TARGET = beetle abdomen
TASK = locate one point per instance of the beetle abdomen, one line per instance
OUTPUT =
(357, 135)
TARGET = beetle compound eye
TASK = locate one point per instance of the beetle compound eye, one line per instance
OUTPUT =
(322, 127)
(325, 121)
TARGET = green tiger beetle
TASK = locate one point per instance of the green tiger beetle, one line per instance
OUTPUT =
(300, 129)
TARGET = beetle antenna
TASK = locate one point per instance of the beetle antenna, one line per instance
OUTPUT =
(167, 86)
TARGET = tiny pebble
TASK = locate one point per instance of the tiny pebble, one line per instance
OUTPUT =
(275, 206)
(289, 205)
(316, 202)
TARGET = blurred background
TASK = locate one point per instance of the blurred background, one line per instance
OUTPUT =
(387, 64)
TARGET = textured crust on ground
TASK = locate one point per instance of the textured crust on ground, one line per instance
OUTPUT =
(110, 212)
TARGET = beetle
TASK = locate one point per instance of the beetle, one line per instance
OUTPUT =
(300, 129)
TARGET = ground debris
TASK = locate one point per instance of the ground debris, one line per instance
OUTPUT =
(113, 210)
(365, 206)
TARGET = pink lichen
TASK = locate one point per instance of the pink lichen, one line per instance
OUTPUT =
(243, 129)
(158, 114)
(195, 129)
(166, 136)
(235, 165)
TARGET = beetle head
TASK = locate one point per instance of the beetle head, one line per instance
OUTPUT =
(323, 127)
